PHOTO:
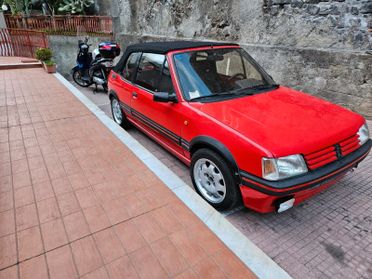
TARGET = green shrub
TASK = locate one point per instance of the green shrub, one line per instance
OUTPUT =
(49, 62)
(43, 54)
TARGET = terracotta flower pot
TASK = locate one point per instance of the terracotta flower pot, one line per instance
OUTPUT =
(50, 69)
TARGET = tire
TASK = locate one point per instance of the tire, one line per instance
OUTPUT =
(76, 75)
(210, 173)
(116, 111)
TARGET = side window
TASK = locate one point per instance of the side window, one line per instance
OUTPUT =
(165, 84)
(130, 66)
(149, 70)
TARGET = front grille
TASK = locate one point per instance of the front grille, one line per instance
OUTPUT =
(321, 157)
(329, 154)
(349, 145)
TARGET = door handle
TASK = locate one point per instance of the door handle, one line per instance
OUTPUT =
(134, 95)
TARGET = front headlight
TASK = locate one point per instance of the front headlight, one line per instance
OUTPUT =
(283, 167)
(363, 134)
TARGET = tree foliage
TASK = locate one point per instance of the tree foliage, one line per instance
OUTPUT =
(75, 6)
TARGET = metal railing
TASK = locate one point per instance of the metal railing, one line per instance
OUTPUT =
(21, 42)
(62, 24)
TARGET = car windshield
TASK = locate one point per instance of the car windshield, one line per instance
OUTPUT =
(219, 73)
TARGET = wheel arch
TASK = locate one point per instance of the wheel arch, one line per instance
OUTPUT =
(218, 147)
(112, 94)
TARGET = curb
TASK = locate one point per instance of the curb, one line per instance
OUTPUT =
(253, 257)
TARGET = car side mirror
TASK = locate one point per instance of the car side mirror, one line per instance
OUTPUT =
(165, 97)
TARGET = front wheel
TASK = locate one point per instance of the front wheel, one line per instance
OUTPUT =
(213, 179)
(79, 79)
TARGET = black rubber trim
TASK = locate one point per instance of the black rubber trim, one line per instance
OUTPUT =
(220, 148)
(351, 159)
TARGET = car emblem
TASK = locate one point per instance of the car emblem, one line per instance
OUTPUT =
(338, 151)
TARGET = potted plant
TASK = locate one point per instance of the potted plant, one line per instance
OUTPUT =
(45, 56)
(50, 66)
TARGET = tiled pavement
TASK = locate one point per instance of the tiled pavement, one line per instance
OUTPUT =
(75, 202)
(328, 236)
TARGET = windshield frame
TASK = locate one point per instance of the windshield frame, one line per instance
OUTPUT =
(219, 97)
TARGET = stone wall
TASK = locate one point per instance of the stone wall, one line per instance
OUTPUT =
(65, 50)
(320, 47)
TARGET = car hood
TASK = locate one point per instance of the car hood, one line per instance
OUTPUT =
(285, 121)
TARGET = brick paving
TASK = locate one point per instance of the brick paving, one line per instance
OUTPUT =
(328, 236)
(75, 202)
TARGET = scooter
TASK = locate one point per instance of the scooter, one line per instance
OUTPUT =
(94, 68)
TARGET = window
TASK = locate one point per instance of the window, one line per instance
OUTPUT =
(165, 84)
(130, 66)
(219, 73)
(149, 70)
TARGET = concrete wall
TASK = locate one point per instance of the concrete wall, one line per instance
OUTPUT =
(317, 46)
(65, 49)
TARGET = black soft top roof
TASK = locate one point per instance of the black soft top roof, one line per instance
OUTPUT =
(163, 48)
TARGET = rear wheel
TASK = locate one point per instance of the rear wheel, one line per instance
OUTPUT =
(79, 79)
(213, 179)
(117, 113)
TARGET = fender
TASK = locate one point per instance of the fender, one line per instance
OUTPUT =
(75, 69)
(215, 145)
(111, 94)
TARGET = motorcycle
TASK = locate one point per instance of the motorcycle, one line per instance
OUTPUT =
(94, 68)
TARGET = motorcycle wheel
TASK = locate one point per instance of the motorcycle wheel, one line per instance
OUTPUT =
(76, 75)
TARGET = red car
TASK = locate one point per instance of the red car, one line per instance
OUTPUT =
(244, 137)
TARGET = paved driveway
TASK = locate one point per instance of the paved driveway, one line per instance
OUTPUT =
(328, 236)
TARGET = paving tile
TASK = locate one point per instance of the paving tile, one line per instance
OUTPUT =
(9, 273)
(34, 268)
(68, 203)
(78, 181)
(116, 210)
(5, 169)
(86, 255)
(26, 217)
(54, 234)
(167, 220)
(108, 245)
(76, 226)
(29, 243)
(169, 256)
(8, 248)
(56, 170)
(7, 223)
(36, 162)
(201, 234)
(33, 151)
(61, 264)
(19, 166)
(23, 196)
(43, 190)
(96, 218)
(188, 274)
(100, 273)
(18, 154)
(61, 185)
(146, 264)
(122, 268)
(21, 179)
(6, 201)
(48, 210)
(189, 248)
(39, 175)
(207, 268)
(5, 184)
(129, 236)
(231, 265)
(86, 197)
(148, 228)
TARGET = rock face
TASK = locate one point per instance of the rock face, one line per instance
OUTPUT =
(317, 46)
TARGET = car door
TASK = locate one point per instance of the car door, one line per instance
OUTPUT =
(161, 120)
(122, 82)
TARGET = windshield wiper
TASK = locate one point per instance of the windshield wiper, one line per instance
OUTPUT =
(202, 98)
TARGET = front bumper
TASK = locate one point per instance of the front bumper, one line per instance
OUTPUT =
(302, 186)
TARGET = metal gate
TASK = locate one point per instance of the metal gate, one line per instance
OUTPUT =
(21, 42)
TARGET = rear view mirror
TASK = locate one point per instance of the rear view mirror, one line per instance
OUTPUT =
(165, 97)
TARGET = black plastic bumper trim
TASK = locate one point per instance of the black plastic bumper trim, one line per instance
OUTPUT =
(329, 172)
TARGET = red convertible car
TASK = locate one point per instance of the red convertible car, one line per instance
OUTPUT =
(244, 137)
